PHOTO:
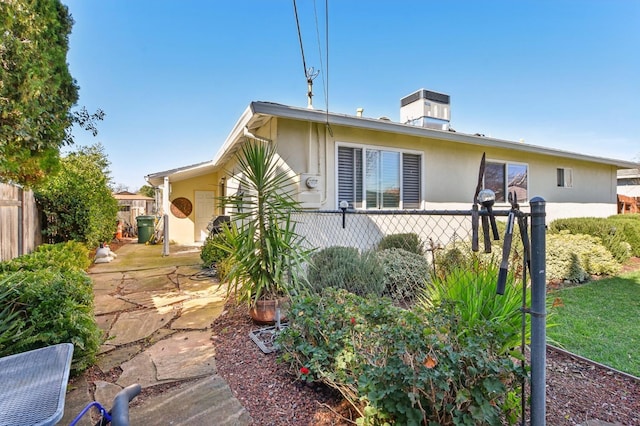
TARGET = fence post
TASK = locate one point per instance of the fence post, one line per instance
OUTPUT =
(538, 312)
(165, 238)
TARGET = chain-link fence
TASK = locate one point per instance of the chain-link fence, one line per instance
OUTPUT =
(364, 230)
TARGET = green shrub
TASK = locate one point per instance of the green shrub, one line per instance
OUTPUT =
(610, 233)
(77, 201)
(211, 253)
(472, 294)
(574, 257)
(345, 267)
(399, 367)
(405, 274)
(51, 306)
(629, 226)
(64, 256)
(409, 242)
(11, 326)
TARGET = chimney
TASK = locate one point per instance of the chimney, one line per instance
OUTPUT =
(359, 112)
(426, 108)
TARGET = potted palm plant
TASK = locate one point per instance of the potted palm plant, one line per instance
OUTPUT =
(266, 255)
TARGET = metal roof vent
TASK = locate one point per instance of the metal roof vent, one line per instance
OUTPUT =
(426, 108)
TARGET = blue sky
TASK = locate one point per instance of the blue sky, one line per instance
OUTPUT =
(174, 76)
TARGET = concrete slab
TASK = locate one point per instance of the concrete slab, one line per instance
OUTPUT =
(187, 271)
(107, 282)
(198, 314)
(184, 356)
(105, 392)
(117, 357)
(208, 401)
(106, 304)
(104, 348)
(105, 322)
(133, 326)
(158, 335)
(75, 400)
(155, 299)
(137, 285)
(135, 256)
(139, 370)
(150, 273)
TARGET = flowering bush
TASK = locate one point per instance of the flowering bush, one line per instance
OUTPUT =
(399, 366)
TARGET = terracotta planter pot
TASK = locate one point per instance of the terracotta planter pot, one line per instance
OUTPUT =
(264, 311)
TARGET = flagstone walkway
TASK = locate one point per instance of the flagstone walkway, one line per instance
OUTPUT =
(156, 316)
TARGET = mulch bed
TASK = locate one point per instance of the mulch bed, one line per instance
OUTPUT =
(577, 390)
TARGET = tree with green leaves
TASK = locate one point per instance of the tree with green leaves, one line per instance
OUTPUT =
(147, 191)
(77, 201)
(36, 89)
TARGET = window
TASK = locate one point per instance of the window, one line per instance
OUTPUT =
(504, 178)
(564, 178)
(378, 179)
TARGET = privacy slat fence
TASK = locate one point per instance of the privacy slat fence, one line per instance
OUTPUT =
(19, 222)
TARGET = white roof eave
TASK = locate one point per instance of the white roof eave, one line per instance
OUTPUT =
(303, 114)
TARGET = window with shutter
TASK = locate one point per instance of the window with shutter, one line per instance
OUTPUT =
(411, 181)
(378, 178)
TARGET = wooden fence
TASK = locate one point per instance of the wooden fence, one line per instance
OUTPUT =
(20, 230)
(628, 204)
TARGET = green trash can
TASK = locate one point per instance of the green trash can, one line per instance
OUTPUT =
(146, 225)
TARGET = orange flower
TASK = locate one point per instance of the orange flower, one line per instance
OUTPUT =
(430, 362)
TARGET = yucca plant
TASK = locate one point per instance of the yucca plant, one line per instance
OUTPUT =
(266, 254)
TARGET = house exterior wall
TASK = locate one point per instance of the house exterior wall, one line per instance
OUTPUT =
(450, 170)
(182, 230)
(449, 173)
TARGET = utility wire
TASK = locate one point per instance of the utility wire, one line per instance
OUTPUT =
(304, 63)
(324, 87)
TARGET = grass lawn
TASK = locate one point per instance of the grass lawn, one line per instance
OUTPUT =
(600, 321)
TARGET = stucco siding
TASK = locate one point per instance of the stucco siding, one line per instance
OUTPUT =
(182, 230)
(450, 170)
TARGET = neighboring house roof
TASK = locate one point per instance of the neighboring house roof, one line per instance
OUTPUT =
(629, 173)
(258, 113)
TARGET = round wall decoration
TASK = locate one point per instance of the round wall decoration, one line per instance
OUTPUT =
(181, 207)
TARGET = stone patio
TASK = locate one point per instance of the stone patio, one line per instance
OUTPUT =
(157, 326)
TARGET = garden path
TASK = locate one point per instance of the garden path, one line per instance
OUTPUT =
(156, 319)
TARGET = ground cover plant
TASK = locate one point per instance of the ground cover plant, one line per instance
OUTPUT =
(401, 366)
(599, 320)
(47, 298)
